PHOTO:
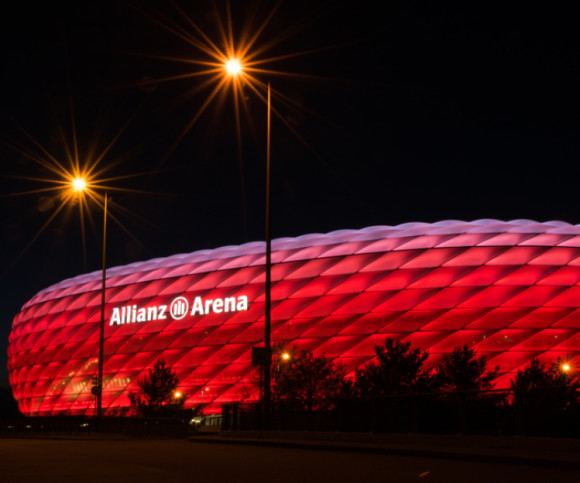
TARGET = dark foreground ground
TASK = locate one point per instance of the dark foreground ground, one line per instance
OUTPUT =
(112, 459)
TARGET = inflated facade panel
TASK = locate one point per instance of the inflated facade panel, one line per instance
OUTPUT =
(510, 289)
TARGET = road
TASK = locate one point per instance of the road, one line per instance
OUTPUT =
(52, 460)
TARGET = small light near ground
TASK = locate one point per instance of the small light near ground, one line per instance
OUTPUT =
(565, 367)
(177, 394)
(285, 356)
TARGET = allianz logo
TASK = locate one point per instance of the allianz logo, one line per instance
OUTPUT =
(178, 309)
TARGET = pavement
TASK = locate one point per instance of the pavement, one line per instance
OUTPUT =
(563, 453)
(517, 450)
(143, 460)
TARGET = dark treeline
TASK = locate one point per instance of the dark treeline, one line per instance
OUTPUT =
(400, 370)
(398, 392)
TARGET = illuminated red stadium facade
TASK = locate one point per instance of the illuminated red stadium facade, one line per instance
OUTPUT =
(510, 289)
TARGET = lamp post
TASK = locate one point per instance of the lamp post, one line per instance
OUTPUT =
(234, 68)
(102, 322)
(268, 307)
(203, 389)
(79, 185)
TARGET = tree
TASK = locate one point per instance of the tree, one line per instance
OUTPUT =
(463, 371)
(545, 399)
(397, 370)
(538, 385)
(159, 392)
(305, 377)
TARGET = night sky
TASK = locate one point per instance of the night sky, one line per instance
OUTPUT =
(411, 111)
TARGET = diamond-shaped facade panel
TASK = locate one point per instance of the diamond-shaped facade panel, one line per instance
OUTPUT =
(511, 290)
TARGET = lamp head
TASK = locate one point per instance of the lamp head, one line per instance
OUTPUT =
(233, 67)
(79, 184)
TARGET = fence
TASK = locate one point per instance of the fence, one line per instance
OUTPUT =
(544, 411)
(85, 424)
(489, 412)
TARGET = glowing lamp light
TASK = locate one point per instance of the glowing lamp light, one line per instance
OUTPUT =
(234, 67)
(565, 367)
(79, 184)
(285, 356)
(177, 394)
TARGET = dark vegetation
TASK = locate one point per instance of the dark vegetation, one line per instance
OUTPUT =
(396, 370)
(160, 397)
(307, 378)
(396, 392)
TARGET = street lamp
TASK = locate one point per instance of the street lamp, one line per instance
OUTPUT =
(203, 389)
(102, 324)
(283, 358)
(268, 308)
(79, 186)
(234, 68)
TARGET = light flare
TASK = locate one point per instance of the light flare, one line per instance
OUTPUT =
(234, 67)
(231, 60)
(79, 184)
(71, 179)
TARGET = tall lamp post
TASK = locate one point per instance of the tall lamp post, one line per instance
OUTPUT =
(102, 322)
(79, 185)
(268, 308)
(203, 389)
(234, 68)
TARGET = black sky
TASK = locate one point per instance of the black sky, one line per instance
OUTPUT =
(407, 111)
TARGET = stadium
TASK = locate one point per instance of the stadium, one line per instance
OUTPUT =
(508, 289)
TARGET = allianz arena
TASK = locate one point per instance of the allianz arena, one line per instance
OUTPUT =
(509, 289)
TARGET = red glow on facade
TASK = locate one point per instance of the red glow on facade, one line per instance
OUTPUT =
(511, 290)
